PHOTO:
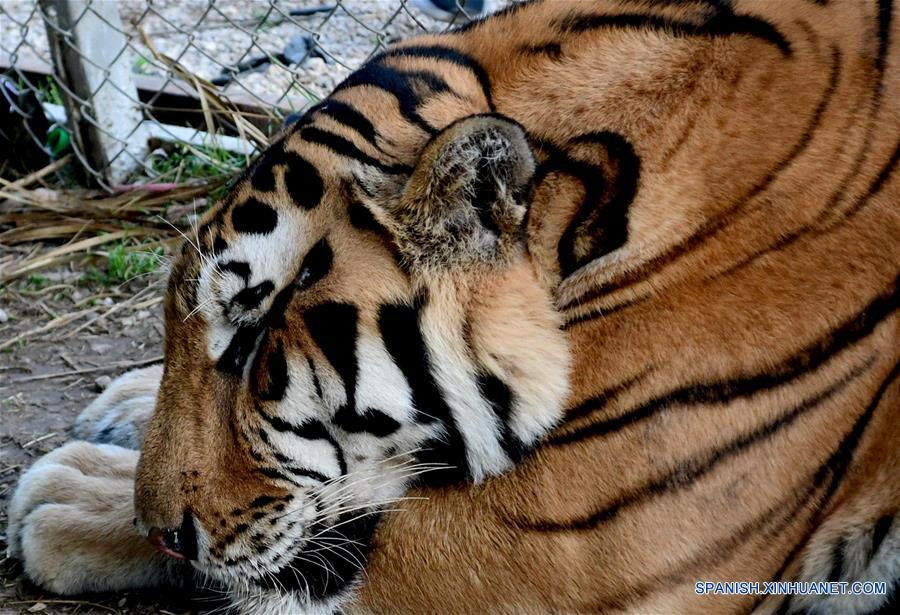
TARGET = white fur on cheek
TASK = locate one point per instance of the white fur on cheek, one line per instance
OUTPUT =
(442, 324)
(273, 257)
(380, 384)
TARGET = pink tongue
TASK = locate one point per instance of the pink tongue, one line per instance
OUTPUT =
(157, 539)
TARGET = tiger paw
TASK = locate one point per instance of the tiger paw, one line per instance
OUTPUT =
(121, 414)
(71, 523)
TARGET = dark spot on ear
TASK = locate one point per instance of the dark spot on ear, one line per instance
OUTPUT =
(303, 182)
(254, 217)
(251, 297)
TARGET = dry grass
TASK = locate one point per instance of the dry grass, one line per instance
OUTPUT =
(45, 227)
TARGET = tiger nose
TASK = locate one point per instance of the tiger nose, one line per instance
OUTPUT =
(180, 543)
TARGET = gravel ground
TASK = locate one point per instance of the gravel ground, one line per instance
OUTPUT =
(207, 35)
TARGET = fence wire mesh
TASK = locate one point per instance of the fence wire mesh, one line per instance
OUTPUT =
(108, 79)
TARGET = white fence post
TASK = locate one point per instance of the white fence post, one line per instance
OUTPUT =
(88, 45)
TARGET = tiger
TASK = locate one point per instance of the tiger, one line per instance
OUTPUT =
(581, 307)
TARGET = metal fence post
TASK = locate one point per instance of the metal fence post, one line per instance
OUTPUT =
(92, 60)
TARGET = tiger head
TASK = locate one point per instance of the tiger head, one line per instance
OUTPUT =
(345, 323)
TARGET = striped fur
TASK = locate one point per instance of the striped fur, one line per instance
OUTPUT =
(694, 205)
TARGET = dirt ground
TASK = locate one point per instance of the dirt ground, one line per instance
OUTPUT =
(48, 373)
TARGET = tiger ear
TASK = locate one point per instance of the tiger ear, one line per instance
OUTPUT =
(466, 199)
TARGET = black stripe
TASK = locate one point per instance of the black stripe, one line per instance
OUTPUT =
(262, 178)
(724, 23)
(254, 217)
(399, 328)
(447, 54)
(362, 219)
(508, 11)
(238, 268)
(369, 420)
(684, 474)
(269, 374)
(603, 312)
(333, 327)
(551, 50)
(769, 525)
(724, 391)
(347, 115)
(874, 188)
(308, 430)
(837, 560)
(601, 399)
(306, 473)
(302, 181)
(720, 221)
(884, 17)
(409, 88)
(315, 377)
(316, 264)
(839, 462)
(262, 501)
(500, 398)
(879, 533)
(880, 180)
(250, 297)
(275, 474)
(602, 217)
(341, 146)
(239, 350)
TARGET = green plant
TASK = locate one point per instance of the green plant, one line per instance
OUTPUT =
(142, 65)
(124, 263)
(185, 163)
(36, 282)
(49, 92)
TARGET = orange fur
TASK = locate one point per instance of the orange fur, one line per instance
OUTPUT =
(729, 303)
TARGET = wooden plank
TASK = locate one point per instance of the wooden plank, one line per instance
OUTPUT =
(169, 101)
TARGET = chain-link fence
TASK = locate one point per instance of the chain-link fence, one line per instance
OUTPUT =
(118, 82)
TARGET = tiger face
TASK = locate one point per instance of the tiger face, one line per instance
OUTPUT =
(343, 326)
